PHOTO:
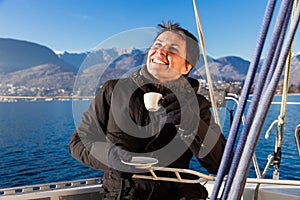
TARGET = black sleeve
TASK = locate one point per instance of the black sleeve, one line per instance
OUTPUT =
(209, 143)
(88, 144)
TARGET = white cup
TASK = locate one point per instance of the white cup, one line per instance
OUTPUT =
(151, 100)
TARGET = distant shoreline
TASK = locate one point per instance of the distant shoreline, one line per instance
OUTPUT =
(70, 98)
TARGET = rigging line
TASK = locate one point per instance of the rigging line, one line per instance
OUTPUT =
(240, 178)
(278, 47)
(287, 71)
(255, 100)
(278, 25)
(286, 85)
(280, 21)
(274, 60)
(281, 117)
(243, 98)
(270, 129)
(209, 79)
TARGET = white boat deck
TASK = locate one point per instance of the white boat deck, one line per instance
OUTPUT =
(90, 189)
(266, 191)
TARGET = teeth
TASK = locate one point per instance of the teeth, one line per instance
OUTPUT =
(159, 61)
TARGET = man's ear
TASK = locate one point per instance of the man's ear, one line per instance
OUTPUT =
(186, 69)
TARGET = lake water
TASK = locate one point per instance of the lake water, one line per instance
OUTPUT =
(34, 138)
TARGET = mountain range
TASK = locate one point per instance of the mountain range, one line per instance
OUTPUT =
(28, 68)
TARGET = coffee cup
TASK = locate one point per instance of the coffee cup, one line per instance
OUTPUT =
(151, 100)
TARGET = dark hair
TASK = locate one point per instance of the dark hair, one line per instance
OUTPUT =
(192, 47)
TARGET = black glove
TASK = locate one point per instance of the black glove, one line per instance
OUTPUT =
(181, 112)
(115, 156)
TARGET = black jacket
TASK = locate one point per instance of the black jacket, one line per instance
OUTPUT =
(119, 115)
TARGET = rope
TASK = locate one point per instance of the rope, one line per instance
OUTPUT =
(209, 79)
(278, 48)
(281, 117)
(243, 99)
(263, 107)
(275, 42)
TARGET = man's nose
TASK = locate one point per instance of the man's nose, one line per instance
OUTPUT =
(162, 51)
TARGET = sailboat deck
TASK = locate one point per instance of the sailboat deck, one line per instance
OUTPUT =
(90, 189)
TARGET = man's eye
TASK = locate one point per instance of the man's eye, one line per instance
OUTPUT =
(173, 50)
(156, 45)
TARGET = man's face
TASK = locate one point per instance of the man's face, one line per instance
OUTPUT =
(166, 59)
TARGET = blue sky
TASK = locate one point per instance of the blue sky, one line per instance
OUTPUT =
(230, 27)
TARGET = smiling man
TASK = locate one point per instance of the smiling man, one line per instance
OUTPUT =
(182, 128)
(166, 58)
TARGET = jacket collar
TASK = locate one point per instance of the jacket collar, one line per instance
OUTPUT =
(148, 83)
